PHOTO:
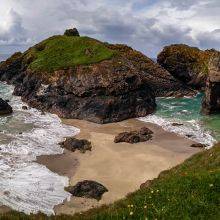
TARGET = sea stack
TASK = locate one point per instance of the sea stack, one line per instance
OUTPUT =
(211, 102)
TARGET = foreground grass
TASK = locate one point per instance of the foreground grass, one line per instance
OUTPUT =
(59, 52)
(188, 191)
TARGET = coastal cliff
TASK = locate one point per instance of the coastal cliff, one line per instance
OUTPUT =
(188, 64)
(211, 101)
(80, 77)
(196, 68)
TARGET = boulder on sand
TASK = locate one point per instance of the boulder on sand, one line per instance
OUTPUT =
(198, 145)
(73, 144)
(144, 134)
(87, 189)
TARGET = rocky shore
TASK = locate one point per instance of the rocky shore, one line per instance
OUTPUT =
(101, 84)
(107, 83)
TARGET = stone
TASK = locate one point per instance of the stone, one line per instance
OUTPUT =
(5, 108)
(87, 189)
(198, 145)
(74, 144)
(24, 107)
(144, 134)
(177, 124)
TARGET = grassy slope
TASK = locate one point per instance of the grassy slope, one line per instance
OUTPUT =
(59, 52)
(188, 191)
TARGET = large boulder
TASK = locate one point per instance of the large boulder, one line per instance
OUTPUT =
(188, 64)
(87, 189)
(211, 101)
(5, 108)
(83, 78)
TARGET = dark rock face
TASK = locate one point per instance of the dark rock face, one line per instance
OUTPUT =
(144, 134)
(188, 64)
(211, 102)
(74, 144)
(72, 32)
(87, 189)
(5, 108)
(112, 90)
(160, 80)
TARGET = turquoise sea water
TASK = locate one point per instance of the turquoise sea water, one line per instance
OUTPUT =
(186, 111)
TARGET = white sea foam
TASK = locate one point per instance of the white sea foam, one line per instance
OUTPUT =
(25, 185)
(190, 129)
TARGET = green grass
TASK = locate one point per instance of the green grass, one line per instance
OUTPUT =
(60, 52)
(188, 191)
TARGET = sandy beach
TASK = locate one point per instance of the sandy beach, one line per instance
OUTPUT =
(121, 167)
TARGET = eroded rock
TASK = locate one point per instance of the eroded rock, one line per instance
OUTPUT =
(211, 101)
(188, 64)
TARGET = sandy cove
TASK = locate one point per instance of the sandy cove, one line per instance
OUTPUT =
(121, 167)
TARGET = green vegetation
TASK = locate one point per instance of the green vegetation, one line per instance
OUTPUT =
(188, 191)
(59, 52)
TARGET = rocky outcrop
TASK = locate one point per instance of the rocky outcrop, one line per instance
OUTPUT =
(211, 101)
(160, 80)
(188, 64)
(72, 32)
(106, 83)
(87, 189)
(144, 134)
(73, 144)
(198, 69)
(5, 108)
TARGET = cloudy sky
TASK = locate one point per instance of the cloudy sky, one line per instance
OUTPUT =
(146, 25)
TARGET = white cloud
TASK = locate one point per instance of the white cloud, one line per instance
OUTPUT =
(147, 25)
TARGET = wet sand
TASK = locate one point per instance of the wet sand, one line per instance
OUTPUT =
(121, 167)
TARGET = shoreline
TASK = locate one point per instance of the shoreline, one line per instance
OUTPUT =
(121, 167)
